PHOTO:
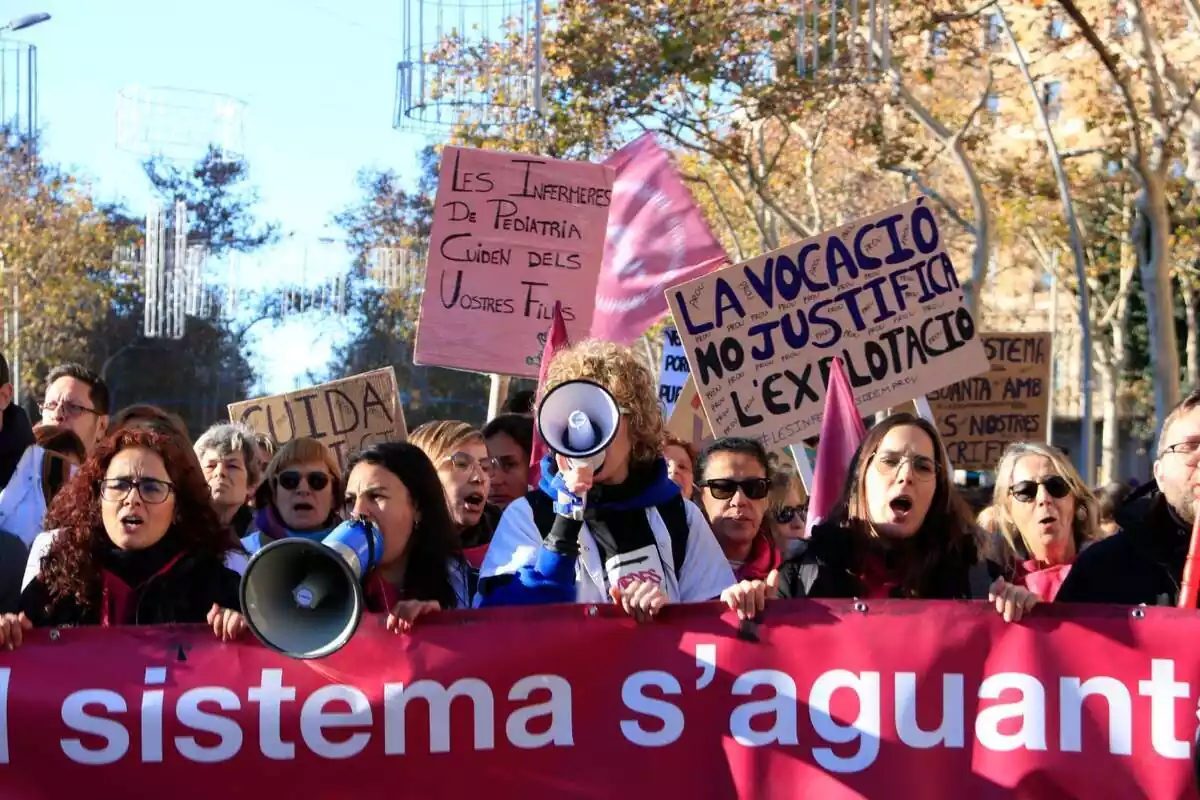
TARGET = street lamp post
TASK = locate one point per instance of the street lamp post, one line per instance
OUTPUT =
(19, 24)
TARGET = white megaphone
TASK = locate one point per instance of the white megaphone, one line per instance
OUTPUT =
(305, 598)
(579, 420)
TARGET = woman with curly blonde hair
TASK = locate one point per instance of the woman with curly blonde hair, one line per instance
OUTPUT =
(640, 543)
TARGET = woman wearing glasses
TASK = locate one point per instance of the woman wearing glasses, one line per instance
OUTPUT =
(900, 530)
(460, 454)
(788, 513)
(1045, 513)
(734, 488)
(297, 495)
(139, 545)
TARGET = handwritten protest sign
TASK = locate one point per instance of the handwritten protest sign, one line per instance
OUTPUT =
(879, 292)
(981, 416)
(511, 235)
(674, 372)
(345, 415)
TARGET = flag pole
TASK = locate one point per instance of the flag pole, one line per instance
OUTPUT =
(496, 394)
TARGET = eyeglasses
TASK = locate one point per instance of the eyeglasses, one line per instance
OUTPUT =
(1191, 449)
(788, 513)
(921, 468)
(465, 463)
(151, 490)
(1027, 491)
(725, 488)
(290, 480)
(71, 410)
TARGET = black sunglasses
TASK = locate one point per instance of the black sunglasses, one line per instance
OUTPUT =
(788, 513)
(290, 480)
(1027, 491)
(725, 488)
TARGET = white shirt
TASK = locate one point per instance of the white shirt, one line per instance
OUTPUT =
(706, 572)
(23, 501)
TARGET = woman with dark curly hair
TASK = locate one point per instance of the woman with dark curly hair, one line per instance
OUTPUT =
(139, 545)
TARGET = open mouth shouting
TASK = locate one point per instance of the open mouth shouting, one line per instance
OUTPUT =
(131, 523)
(901, 506)
(473, 503)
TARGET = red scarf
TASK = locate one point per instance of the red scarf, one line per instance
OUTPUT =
(475, 555)
(1043, 581)
(877, 579)
(763, 558)
(118, 600)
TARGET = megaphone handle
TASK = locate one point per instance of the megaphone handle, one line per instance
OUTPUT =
(577, 511)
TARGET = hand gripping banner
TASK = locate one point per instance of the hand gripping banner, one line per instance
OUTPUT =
(822, 699)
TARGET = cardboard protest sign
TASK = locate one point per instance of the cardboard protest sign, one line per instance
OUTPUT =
(981, 416)
(687, 420)
(511, 235)
(879, 292)
(674, 372)
(345, 415)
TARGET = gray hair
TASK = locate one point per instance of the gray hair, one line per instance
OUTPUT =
(232, 437)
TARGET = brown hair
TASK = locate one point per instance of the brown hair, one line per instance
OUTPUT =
(618, 370)
(144, 415)
(947, 533)
(71, 568)
(685, 446)
(438, 439)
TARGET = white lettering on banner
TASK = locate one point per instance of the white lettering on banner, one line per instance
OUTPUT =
(189, 714)
(949, 733)
(1015, 712)
(75, 717)
(314, 719)
(669, 714)
(4, 673)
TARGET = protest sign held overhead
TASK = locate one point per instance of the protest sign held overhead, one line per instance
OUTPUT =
(673, 373)
(511, 235)
(687, 420)
(981, 416)
(880, 293)
(345, 415)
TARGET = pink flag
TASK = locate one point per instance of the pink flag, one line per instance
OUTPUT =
(842, 431)
(657, 238)
(556, 339)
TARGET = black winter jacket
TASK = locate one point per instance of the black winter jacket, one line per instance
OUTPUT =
(829, 567)
(1141, 563)
(183, 594)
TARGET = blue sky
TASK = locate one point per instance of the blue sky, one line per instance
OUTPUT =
(318, 78)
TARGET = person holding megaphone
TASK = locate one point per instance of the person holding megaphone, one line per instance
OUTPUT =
(397, 553)
(605, 523)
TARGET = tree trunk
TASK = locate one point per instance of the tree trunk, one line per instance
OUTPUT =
(1110, 430)
(1192, 348)
(1152, 242)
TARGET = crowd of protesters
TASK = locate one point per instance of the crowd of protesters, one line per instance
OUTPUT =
(115, 517)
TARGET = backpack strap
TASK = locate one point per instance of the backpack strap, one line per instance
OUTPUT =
(674, 516)
(54, 475)
(673, 513)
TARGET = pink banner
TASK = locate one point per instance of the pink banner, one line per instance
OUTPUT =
(823, 699)
(511, 235)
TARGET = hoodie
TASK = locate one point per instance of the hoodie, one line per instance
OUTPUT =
(621, 538)
(1140, 563)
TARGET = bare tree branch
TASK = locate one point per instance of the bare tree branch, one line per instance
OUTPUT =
(1080, 152)
(733, 234)
(913, 177)
(979, 104)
